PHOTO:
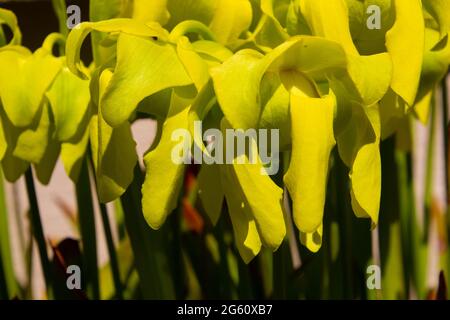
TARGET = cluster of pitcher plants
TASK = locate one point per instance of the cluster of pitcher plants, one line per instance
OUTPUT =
(346, 83)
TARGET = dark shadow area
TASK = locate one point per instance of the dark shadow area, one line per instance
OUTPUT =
(37, 19)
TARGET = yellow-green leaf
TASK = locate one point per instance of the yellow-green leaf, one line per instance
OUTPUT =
(367, 78)
(13, 167)
(147, 11)
(113, 152)
(312, 142)
(392, 110)
(440, 10)
(313, 240)
(45, 167)
(370, 40)
(3, 142)
(200, 10)
(231, 19)
(69, 100)
(72, 155)
(23, 82)
(246, 235)
(405, 44)
(329, 19)
(434, 68)
(157, 68)
(264, 198)
(275, 114)
(32, 142)
(113, 26)
(195, 66)
(259, 193)
(359, 149)
(164, 177)
(210, 191)
(237, 81)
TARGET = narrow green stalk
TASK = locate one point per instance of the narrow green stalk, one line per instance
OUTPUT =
(88, 232)
(245, 289)
(38, 232)
(286, 259)
(226, 289)
(290, 231)
(391, 251)
(445, 107)
(5, 249)
(115, 270)
(406, 206)
(28, 290)
(344, 215)
(332, 239)
(3, 285)
(429, 169)
(60, 7)
(377, 294)
(418, 242)
(445, 127)
(266, 266)
(119, 218)
(419, 255)
(111, 251)
(176, 253)
(281, 271)
(447, 156)
(18, 218)
(100, 10)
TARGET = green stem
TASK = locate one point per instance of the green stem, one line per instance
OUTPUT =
(109, 239)
(429, 168)
(60, 7)
(282, 269)
(406, 208)
(290, 232)
(5, 249)
(332, 229)
(226, 289)
(18, 218)
(88, 231)
(3, 285)
(344, 214)
(37, 231)
(28, 291)
(391, 251)
(176, 254)
(445, 107)
(112, 251)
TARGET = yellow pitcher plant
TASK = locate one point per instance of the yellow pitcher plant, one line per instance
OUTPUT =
(312, 69)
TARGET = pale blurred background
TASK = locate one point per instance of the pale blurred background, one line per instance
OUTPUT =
(56, 201)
